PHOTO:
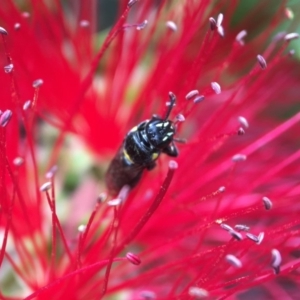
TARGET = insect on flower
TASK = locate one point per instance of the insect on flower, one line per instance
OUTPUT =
(140, 149)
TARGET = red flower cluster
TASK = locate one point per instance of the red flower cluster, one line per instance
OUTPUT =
(220, 221)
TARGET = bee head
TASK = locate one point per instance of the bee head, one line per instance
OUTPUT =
(160, 132)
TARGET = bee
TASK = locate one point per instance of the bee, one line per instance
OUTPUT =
(140, 149)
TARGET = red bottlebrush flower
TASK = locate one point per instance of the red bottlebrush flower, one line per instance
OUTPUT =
(219, 221)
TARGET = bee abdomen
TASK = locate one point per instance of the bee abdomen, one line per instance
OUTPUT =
(121, 173)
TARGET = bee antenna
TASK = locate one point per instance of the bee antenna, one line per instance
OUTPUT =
(171, 104)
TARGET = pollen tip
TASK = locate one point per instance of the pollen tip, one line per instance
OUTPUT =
(292, 52)
(142, 25)
(239, 157)
(220, 19)
(233, 260)
(236, 235)
(191, 94)
(81, 228)
(260, 237)
(222, 189)
(213, 24)
(291, 36)
(199, 99)
(18, 161)
(180, 118)
(221, 31)
(171, 25)
(25, 14)
(17, 26)
(241, 227)
(84, 23)
(50, 174)
(198, 293)
(114, 202)
(276, 260)
(243, 121)
(27, 105)
(37, 83)
(173, 165)
(5, 117)
(267, 203)
(3, 31)
(240, 37)
(147, 295)
(252, 237)
(261, 61)
(226, 227)
(133, 258)
(216, 87)
(289, 13)
(8, 68)
(131, 3)
(46, 186)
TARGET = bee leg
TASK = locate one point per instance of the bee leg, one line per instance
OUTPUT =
(151, 166)
(171, 150)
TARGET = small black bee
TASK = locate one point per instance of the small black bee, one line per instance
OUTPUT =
(140, 149)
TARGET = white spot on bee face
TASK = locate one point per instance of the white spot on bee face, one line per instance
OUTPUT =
(159, 125)
(165, 138)
(170, 133)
